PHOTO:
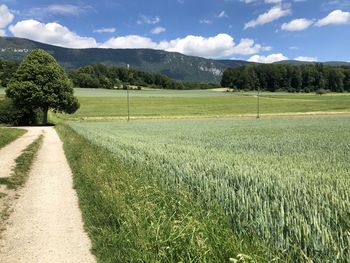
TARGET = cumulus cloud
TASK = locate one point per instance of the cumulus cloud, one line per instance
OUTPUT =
(268, 59)
(216, 46)
(279, 57)
(220, 45)
(6, 18)
(51, 33)
(248, 47)
(297, 25)
(148, 20)
(158, 30)
(105, 30)
(273, 14)
(337, 17)
(131, 41)
(307, 59)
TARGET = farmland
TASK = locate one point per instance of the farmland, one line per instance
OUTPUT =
(99, 104)
(281, 182)
(148, 103)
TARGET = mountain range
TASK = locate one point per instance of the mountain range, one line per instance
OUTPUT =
(172, 64)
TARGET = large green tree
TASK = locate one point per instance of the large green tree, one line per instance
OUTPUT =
(41, 84)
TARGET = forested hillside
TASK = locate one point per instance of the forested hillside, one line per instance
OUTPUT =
(109, 77)
(287, 77)
(174, 65)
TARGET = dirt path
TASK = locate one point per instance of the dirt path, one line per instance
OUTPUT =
(10, 152)
(46, 225)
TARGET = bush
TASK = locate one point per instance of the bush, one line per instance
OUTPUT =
(321, 92)
(9, 114)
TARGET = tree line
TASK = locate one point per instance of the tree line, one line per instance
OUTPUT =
(100, 76)
(287, 77)
(110, 77)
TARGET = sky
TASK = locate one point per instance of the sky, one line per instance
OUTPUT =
(255, 30)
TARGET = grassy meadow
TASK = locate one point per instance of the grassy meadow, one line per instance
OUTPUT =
(99, 104)
(173, 186)
(149, 103)
(279, 186)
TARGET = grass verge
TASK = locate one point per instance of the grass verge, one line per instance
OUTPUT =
(133, 218)
(8, 135)
(23, 164)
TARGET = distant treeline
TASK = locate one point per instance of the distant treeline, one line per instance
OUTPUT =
(287, 77)
(109, 77)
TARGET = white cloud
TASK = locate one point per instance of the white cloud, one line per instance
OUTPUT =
(51, 33)
(64, 9)
(273, 14)
(297, 25)
(158, 30)
(105, 30)
(6, 17)
(248, 47)
(2, 33)
(273, 1)
(307, 59)
(337, 17)
(222, 14)
(268, 59)
(148, 20)
(265, 1)
(217, 46)
(57, 9)
(220, 45)
(205, 21)
(131, 41)
(248, 1)
(335, 4)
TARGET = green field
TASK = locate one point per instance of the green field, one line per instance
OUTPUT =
(148, 103)
(284, 183)
(99, 104)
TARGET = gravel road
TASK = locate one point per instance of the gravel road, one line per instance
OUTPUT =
(46, 224)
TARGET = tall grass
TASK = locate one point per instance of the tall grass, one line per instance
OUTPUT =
(284, 180)
(132, 217)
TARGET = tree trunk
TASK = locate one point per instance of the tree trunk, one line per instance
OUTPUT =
(45, 111)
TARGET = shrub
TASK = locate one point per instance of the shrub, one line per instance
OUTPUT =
(10, 114)
(321, 92)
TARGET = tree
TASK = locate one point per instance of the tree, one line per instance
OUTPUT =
(7, 70)
(40, 83)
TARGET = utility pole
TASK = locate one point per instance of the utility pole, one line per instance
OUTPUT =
(127, 94)
(258, 104)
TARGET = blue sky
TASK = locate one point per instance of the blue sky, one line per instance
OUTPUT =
(255, 30)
